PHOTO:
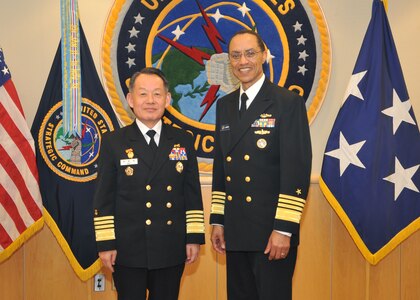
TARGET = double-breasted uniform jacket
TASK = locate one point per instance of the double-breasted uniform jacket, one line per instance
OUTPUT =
(148, 209)
(261, 170)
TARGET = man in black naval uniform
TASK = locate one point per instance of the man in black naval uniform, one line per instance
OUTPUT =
(148, 211)
(261, 176)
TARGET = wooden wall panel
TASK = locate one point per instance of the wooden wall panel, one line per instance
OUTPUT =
(313, 266)
(200, 279)
(410, 268)
(348, 278)
(329, 266)
(384, 281)
(11, 276)
(48, 274)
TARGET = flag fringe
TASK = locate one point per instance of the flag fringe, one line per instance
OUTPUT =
(83, 274)
(26, 235)
(372, 258)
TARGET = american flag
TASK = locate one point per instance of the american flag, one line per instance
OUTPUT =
(20, 198)
(371, 168)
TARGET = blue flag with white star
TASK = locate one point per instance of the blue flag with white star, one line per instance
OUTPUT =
(370, 173)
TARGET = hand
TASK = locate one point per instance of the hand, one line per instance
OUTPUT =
(218, 239)
(108, 259)
(192, 253)
(278, 246)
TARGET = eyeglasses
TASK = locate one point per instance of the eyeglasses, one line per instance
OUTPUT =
(249, 54)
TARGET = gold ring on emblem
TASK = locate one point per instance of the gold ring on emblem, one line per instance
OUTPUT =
(261, 143)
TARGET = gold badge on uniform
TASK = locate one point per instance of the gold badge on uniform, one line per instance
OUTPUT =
(266, 116)
(130, 153)
(261, 143)
(129, 171)
(262, 132)
(179, 167)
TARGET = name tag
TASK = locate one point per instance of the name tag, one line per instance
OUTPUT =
(128, 162)
(225, 127)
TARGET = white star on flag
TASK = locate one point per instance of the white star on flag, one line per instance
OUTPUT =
(402, 178)
(352, 88)
(5, 71)
(399, 111)
(347, 154)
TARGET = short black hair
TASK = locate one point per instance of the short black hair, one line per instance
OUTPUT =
(148, 71)
(260, 41)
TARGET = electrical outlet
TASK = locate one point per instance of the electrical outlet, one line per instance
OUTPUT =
(99, 283)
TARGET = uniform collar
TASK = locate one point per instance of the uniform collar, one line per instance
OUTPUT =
(253, 90)
(144, 129)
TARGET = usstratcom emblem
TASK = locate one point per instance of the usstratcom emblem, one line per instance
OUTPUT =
(188, 40)
(73, 158)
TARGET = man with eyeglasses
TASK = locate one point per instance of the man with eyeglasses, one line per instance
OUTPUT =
(261, 176)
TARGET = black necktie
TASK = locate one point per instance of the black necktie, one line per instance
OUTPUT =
(242, 109)
(152, 144)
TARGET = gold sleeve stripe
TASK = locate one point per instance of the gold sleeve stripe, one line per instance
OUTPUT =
(292, 207)
(292, 203)
(288, 215)
(189, 214)
(103, 218)
(195, 220)
(103, 222)
(220, 194)
(104, 227)
(195, 212)
(283, 196)
(195, 228)
(200, 217)
(105, 235)
(218, 203)
(217, 209)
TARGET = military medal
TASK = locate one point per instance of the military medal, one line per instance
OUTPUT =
(178, 153)
(261, 143)
(179, 167)
(129, 171)
(130, 153)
